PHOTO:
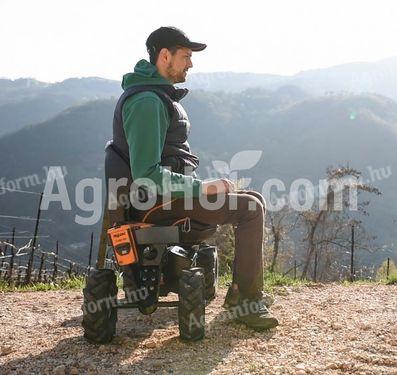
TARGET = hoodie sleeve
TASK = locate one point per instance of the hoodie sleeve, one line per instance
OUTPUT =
(145, 121)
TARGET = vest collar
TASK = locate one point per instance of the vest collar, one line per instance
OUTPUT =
(175, 93)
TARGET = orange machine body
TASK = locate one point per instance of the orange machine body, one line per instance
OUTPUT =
(123, 241)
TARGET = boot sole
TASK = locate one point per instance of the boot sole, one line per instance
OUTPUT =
(269, 323)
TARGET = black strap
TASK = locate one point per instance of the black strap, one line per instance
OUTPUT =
(118, 151)
(118, 118)
(137, 89)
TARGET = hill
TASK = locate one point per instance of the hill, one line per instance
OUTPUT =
(376, 77)
(299, 136)
(27, 101)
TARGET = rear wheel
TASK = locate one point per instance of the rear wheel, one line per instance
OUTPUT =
(207, 258)
(191, 309)
(99, 308)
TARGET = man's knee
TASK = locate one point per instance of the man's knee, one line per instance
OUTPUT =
(250, 203)
(262, 200)
(259, 197)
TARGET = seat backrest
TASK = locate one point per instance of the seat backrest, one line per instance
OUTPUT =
(117, 200)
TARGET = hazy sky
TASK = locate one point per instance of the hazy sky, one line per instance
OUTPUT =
(55, 39)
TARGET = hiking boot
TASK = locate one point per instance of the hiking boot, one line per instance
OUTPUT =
(233, 298)
(254, 314)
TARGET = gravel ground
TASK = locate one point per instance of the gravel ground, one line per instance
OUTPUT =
(325, 329)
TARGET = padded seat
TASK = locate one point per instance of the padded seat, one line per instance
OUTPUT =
(192, 233)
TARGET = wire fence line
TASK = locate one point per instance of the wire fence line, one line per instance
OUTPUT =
(46, 266)
(24, 218)
(10, 190)
(29, 263)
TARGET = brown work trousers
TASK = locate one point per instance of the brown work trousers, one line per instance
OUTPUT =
(245, 209)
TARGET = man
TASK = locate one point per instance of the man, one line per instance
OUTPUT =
(153, 132)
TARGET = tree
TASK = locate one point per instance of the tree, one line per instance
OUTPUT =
(223, 239)
(327, 226)
(281, 224)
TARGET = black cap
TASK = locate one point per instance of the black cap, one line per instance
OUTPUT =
(167, 37)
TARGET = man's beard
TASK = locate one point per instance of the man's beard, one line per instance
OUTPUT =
(176, 77)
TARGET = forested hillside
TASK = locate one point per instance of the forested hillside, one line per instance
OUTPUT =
(300, 136)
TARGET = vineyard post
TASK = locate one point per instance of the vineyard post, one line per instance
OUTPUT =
(90, 255)
(54, 275)
(19, 273)
(294, 269)
(315, 265)
(70, 269)
(352, 256)
(10, 270)
(4, 253)
(32, 247)
(41, 267)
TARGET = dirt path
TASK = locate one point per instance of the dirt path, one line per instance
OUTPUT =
(325, 329)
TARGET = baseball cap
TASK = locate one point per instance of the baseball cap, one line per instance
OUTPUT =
(169, 36)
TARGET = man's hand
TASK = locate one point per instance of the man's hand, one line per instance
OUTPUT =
(220, 186)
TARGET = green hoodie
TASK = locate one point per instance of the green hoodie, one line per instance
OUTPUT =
(146, 120)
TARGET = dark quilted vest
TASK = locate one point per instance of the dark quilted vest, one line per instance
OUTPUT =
(176, 152)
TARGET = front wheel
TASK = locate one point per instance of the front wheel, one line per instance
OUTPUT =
(191, 309)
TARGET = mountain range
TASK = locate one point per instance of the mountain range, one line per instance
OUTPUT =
(28, 101)
(302, 124)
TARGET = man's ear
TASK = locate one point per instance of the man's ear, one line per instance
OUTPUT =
(164, 55)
